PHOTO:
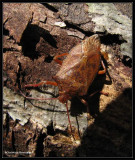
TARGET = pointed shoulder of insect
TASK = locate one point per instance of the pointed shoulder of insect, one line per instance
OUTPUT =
(104, 54)
(91, 43)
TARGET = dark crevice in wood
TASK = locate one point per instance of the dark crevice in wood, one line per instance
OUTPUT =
(5, 31)
(50, 130)
(73, 26)
(50, 7)
(40, 146)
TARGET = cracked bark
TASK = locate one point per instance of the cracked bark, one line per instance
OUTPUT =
(40, 129)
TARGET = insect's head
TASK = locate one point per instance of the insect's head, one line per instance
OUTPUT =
(63, 98)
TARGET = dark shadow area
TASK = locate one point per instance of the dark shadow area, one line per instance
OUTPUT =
(9, 49)
(111, 133)
(49, 59)
(77, 107)
(69, 25)
(93, 101)
(109, 39)
(5, 31)
(50, 130)
(50, 7)
(52, 154)
(31, 37)
(127, 61)
(40, 146)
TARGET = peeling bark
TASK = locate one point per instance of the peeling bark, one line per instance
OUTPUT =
(33, 34)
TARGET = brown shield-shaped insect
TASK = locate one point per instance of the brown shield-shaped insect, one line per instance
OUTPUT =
(77, 71)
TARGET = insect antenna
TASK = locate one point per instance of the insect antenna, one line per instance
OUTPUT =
(50, 99)
(69, 121)
(68, 117)
(35, 98)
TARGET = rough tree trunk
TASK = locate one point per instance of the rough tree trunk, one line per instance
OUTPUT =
(33, 34)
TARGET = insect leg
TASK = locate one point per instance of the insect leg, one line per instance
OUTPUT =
(86, 104)
(68, 117)
(104, 68)
(99, 91)
(58, 56)
(41, 83)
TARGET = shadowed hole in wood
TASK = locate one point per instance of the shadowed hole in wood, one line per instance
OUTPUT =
(31, 37)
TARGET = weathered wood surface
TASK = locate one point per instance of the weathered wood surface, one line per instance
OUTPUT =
(40, 128)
